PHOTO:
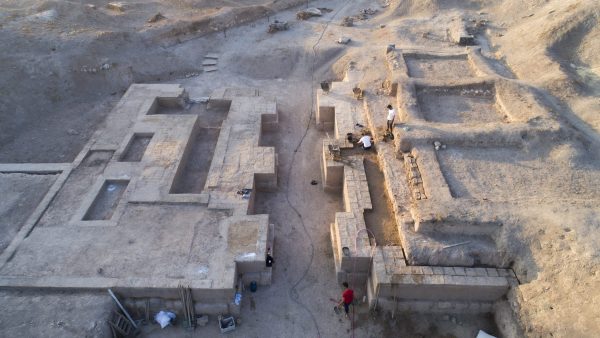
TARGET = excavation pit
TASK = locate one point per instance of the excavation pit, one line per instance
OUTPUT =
(167, 106)
(106, 201)
(473, 104)
(438, 66)
(195, 164)
(136, 148)
(380, 219)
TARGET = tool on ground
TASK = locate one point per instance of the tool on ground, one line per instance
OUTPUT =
(121, 326)
(122, 308)
(189, 315)
(245, 193)
(336, 308)
(457, 244)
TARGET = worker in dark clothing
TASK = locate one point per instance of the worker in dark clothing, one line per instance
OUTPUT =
(269, 259)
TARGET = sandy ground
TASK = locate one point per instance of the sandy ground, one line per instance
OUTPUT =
(52, 101)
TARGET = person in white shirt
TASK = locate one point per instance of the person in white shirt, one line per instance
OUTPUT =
(366, 142)
(390, 118)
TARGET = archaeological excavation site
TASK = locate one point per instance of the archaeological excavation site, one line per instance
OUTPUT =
(200, 168)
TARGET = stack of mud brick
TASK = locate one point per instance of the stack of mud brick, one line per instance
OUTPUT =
(414, 177)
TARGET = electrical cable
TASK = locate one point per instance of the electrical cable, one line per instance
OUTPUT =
(293, 293)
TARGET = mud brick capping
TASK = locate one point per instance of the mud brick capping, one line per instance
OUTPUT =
(414, 178)
(351, 246)
(436, 283)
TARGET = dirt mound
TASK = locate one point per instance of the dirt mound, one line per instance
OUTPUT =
(430, 7)
(279, 63)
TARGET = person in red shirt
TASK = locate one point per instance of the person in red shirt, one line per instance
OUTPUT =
(347, 298)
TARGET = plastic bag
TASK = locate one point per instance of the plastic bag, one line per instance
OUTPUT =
(164, 318)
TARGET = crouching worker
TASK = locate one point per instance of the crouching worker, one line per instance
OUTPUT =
(366, 141)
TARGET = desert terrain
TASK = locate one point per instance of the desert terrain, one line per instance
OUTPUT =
(520, 148)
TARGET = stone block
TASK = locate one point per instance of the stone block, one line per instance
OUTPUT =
(448, 271)
(492, 272)
(459, 271)
(426, 270)
(470, 272)
(438, 270)
(481, 272)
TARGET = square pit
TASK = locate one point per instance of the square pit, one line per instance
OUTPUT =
(472, 104)
(430, 66)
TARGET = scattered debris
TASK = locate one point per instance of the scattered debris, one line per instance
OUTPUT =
(389, 88)
(116, 6)
(49, 15)
(201, 320)
(348, 21)
(343, 40)
(105, 66)
(193, 74)
(479, 92)
(334, 152)
(308, 13)
(368, 11)
(358, 93)
(245, 193)
(156, 17)
(483, 334)
(86, 69)
(201, 99)
(278, 26)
